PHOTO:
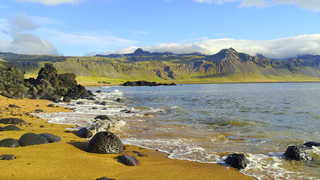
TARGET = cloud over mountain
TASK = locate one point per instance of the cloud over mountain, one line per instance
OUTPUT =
(276, 48)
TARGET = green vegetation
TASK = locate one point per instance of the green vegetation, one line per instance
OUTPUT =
(227, 66)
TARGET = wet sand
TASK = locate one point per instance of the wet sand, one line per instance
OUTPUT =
(67, 160)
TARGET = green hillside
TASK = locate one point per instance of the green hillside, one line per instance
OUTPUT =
(226, 66)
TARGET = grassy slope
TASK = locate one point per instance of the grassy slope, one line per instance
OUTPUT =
(100, 70)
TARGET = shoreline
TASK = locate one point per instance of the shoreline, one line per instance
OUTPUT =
(68, 160)
(199, 83)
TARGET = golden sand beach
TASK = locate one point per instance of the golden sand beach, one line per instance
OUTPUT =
(67, 159)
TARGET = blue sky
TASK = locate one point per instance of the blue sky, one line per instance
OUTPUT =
(276, 28)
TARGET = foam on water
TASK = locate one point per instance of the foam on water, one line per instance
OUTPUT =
(262, 166)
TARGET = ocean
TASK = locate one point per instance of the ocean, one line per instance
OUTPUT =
(206, 122)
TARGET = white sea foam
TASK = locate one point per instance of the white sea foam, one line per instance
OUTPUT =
(261, 166)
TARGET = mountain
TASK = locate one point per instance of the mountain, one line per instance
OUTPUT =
(228, 65)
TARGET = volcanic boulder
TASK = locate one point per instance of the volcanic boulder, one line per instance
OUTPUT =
(105, 143)
(238, 161)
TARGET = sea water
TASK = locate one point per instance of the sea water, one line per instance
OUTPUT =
(204, 123)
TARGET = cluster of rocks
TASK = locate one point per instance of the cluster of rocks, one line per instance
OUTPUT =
(48, 85)
(301, 152)
(294, 152)
(146, 83)
(29, 139)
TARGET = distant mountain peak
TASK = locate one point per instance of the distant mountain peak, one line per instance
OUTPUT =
(140, 52)
(228, 51)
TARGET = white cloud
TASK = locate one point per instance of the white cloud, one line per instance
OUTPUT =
(277, 48)
(22, 35)
(15, 37)
(52, 2)
(80, 42)
(307, 4)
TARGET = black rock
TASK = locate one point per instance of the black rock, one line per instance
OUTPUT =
(51, 105)
(7, 157)
(146, 83)
(80, 102)
(105, 143)
(32, 139)
(311, 144)
(13, 106)
(102, 117)
(10, 128)
(38, 111)
(298, 153)
(50, 137)
(238, 161)
(98, 91)
(84, 133)
(103, 103)
(104, 178)
(11, 143)
(128, 160)
(15, 121)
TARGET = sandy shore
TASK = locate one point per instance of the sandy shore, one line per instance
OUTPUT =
(67, 160)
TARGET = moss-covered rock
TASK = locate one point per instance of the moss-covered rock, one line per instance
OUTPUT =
(48, 85)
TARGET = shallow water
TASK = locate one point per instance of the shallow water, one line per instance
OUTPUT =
(201, 122)
(205, 122)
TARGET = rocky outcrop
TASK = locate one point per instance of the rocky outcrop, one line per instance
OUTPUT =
(11, 82)
(48, 85)
(105, 143)
(56, 87)
(238, 161)
(146, 83)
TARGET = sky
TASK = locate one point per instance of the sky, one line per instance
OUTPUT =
(274, 28)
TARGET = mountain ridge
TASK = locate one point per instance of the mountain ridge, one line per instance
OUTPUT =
(228, 65)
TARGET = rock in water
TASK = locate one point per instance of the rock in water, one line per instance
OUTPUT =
(102, 117)
(238, 161)
(10, 128)
(29, 139)
(10, 143)
(146, 83)
(15, 121)
(7, 157)
(298, 153)
(311, 144)
(105, 143)
(128, 160)
(84, 133)
(50, 137)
